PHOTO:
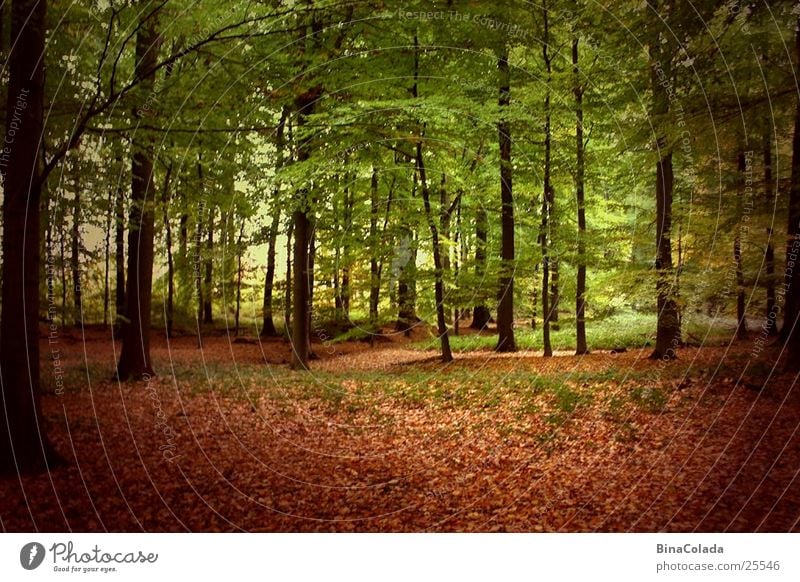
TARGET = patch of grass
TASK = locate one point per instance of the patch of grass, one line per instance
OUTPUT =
(650, 399)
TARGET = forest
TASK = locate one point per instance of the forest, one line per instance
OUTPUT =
(366, 265)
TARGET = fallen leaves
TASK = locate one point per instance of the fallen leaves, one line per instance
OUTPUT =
(385, 439)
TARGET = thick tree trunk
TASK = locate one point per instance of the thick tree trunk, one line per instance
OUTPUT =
(134, 361)
(505, 308)
(790, 332)
(580, 171)
(23, 442)
(547, 198)
(300, 315)
(303, 230)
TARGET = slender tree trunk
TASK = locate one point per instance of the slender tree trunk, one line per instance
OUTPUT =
(268, 326)
(134, 362)
(169, 314)
(287, 299)
(580, 170)
(75, 248)
(547, 197)
(374, 278)
(444, 236)
(208, 316)
(406, 289)
(668, 331)
(106, 257)
(239, 252)
(770, 323)
(24, 446)
(480, 313)
(505, 308)
(441, 323)
(741, 321)
(119, 249)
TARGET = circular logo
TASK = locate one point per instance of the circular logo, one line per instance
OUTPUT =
(31, 555)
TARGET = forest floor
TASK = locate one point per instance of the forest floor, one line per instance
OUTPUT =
(386, 438)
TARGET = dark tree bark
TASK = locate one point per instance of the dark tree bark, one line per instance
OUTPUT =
(134, 361)
(770, 323)
(580, 171)
(239, 252)
(287, 298)
(668, 330)
(444, 336)
(438, 262)
(301, 312)
(741, 321)
(374, 277)
(406, 282)
(790, 332)
(106, 256)
(119, 248)
(547, 196)
(208, 315)
(169, 314)
(268, 325)
(24, 446)
(75, 249)
(505, 308)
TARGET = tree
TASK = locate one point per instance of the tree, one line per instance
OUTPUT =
(134, 360)
(23, 442)
(505, 309)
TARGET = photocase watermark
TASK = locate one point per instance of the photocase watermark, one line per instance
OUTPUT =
(52, 326)
(511, 30)
(168, 448)
(14, 126)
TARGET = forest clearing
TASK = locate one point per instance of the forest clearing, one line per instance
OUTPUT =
(386, 438)
(382, 266)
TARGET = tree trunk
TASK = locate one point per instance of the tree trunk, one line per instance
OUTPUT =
(790, 332)
(301, 313)
(770, 324)
(547, 197)
(119, 249)
(170, 306)
(505, 308)
(106, 257)
(134, 361)
(480, 313)
(444, 337)
(287, 298)
(741, 321)
(23, 442)
(668, 331)
(406, 282)
(268, 326)
(208, 316)
(374, 278)
(75, 248)
(239, 252)
(580, 170)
